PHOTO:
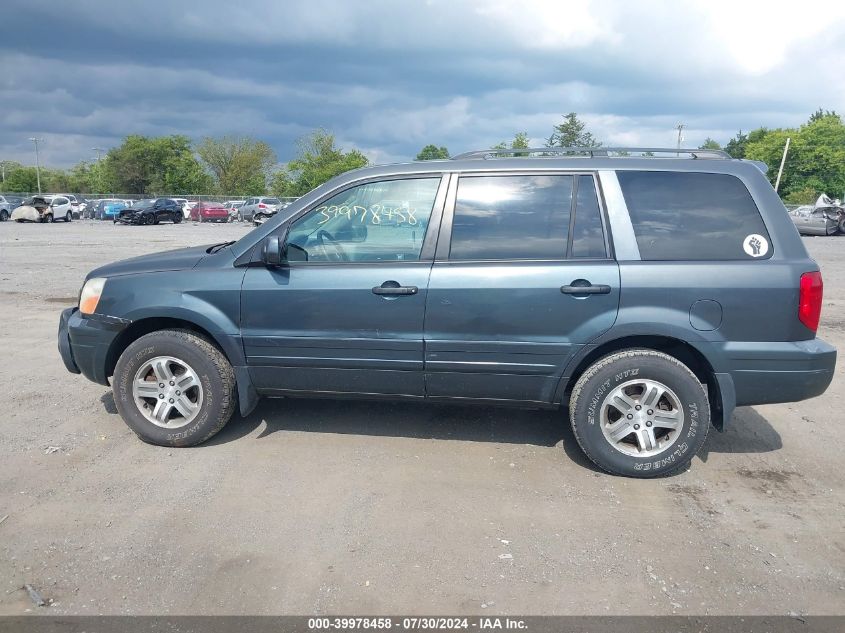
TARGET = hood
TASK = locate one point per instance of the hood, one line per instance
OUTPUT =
(180, 259)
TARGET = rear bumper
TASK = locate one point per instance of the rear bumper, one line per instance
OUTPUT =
(84, 342)
(773, 372)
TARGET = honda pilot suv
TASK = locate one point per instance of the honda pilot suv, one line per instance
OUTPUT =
(648, 296)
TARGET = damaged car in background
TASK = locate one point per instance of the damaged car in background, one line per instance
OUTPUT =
(42, 209)
(262, 215)
(825, 217)
(151, 211)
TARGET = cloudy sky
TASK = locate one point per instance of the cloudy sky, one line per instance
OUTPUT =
(389, 76)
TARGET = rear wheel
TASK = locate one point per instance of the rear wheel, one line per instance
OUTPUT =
(174, 388)
(841, 225)
(639, 413)
(4, 215)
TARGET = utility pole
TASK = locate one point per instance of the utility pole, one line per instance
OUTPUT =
(680, 127)
(98, 150)
(782, 163)
(37, 163)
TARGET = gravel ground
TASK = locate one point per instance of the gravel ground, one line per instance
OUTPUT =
(370, 508)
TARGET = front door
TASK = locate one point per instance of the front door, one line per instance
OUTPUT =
(345, 314)
(523, 281)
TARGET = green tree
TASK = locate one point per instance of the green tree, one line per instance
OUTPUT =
(520, 141)
(572, 133)
(736, 146)
(6, 168)
(241, 165)
(148, 165)
(21, 180)
(816, 158)
(710, 143)
(432, 152)
(317, 160)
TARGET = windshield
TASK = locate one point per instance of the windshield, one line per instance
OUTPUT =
(143, 204)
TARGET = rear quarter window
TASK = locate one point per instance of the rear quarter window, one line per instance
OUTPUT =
(689, 216)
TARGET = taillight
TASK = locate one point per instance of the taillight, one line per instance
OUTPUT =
(810, 294)
(261, 205)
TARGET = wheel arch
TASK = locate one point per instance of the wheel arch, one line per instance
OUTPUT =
(228, 346)
(144, 326)
(679, 349)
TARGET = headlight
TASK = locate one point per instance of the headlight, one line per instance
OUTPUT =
(90, 295)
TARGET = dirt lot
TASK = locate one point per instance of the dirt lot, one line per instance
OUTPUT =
(325, 507)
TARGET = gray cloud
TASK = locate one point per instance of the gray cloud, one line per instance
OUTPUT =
(390, 77)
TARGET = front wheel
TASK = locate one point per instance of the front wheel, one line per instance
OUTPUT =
(68, 216)
(48, 218)
(4, 215)
(639, 413)
(841, 225)
(174, 388)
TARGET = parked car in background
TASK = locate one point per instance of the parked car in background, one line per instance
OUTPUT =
(825, 217)
(810, 220)
(152, 211)
(209, 212)
(33, 209)
(60, 207)
(233, 206)
(108, 209)
(186, 208)
(76, 212)
(7, 205)
(253, 205)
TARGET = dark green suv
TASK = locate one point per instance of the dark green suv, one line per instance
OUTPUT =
(649, 296)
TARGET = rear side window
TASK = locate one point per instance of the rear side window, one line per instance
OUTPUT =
(511, 217)
(587, 232)
(693, 216)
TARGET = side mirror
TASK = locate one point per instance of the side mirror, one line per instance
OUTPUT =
(271, 251)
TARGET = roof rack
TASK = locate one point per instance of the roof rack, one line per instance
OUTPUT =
(592, 152)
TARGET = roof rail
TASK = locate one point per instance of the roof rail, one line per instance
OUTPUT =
(592, 152)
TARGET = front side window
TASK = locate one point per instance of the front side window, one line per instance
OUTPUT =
(374, 222)
(511, 217)
(692, 216)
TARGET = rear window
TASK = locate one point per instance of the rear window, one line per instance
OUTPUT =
(693, 216)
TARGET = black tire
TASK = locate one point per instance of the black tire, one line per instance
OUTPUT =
(590, 397)
(177, 219)
(841, 225)
(48, 218)
(4, 215)
(215, 375)
(68, 216)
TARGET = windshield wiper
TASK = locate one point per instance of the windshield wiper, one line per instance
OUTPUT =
(217, 247)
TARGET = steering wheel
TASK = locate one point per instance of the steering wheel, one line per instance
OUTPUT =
(326, 240)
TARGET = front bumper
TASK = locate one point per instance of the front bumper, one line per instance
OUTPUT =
(85, 341)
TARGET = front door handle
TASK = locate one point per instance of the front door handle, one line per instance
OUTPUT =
(393, 288)
(584, 287)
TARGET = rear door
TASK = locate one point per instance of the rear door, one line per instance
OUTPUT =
(522, 279)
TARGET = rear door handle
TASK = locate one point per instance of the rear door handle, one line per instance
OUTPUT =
(586, 289)
(393, 288)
